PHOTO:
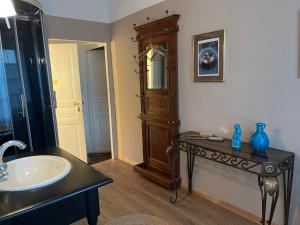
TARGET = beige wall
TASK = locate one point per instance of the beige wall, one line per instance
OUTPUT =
(92, 10)
(261, 85)
(82, 30)
(74, 29)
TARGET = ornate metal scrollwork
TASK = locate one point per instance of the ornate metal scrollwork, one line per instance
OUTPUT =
(172, 153)
(219, 157)
(286, 165)
(268, 186)
(271, 185)
(269, 169)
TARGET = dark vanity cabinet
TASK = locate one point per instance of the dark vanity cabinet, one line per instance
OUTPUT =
(159, 96)
(25, 104)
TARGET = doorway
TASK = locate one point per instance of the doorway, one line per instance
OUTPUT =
(83, 108)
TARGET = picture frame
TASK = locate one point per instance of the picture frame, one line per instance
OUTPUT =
(209, 56)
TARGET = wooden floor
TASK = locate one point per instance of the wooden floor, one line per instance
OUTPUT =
(130, 194)
(98, 157)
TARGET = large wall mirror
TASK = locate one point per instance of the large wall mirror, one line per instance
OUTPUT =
(157, 67)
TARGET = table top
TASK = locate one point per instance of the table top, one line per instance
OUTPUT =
(81, 178)
(246, 152)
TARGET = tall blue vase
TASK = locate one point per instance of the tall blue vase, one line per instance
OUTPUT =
(260, 140)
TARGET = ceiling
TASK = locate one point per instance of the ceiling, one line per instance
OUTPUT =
(121, 8)
(95, 10)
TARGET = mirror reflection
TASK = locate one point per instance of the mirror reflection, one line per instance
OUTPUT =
(157, 62)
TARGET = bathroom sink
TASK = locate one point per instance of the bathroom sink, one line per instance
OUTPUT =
(34, 172)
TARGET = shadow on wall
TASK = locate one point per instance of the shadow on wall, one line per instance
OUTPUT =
(225, 171)
(299, 44)
(295, 205)
(276, 137)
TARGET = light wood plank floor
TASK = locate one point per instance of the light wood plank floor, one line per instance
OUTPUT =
(130, 194)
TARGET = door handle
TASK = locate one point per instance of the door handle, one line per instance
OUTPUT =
(78, 105)
(53, 100)
(171, 122)
(23, 105)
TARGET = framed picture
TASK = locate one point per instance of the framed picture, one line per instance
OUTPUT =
(209, 56)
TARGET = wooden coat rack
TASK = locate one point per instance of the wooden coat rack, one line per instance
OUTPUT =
(159, 101)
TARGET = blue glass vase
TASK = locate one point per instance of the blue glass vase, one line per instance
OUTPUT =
(260, 140)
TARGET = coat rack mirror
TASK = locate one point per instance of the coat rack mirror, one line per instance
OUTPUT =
(157, 61)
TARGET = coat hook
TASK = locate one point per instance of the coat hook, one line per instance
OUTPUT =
(134, 25)
(137, 71)
(167, 12)
(136, 60)
(148, 19)
(133, 39)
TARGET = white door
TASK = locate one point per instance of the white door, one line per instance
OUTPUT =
(98, 102)
(66, 83)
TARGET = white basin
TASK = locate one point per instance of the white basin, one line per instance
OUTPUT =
(34, 172)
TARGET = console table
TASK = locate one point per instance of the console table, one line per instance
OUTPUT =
(268, 167)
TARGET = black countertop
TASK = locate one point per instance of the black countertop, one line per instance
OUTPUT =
(82, 177)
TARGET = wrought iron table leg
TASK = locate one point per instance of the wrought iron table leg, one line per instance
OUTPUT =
(263, 201)
(273, 206)
(287, 187)
(173, 154)
(190, 165)
(268, 186)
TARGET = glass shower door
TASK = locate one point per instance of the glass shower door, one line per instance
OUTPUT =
(31, 71)
(6, 128)
(13, 109)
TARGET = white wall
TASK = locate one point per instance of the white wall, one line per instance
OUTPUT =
(121, 8)
(92, 10)
(261, 84)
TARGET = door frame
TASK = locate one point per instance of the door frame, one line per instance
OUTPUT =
(83, 51)
(70, 105)
(110, 91)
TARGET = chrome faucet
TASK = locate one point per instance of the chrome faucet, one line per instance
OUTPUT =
(3, 148)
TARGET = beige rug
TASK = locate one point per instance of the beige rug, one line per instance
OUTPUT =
(137, 219)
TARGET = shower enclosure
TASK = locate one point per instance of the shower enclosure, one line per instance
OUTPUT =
(26, 109)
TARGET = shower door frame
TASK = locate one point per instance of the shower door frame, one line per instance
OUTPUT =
(21, 77)
(52, 105)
